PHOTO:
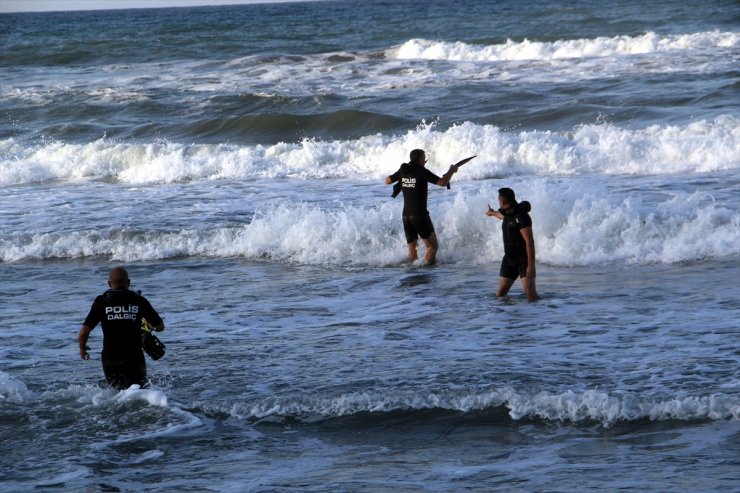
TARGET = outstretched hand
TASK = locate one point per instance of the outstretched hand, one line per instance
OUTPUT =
(493, 213)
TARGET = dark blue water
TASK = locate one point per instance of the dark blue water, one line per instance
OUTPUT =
(283, 72)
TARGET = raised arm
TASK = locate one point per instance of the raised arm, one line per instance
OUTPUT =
(494, 213)
(445, 180)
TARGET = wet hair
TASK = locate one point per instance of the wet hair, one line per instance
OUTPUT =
(415, 156)
(508, 195)
(118, 277)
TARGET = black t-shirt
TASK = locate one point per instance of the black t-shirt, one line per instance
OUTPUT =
(119, 311)
(515, 248)
(414, 184)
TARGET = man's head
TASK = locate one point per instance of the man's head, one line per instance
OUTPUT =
(418, 157)
(506, 198)
(118, 278)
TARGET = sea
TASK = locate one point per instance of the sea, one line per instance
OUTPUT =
(233, 159)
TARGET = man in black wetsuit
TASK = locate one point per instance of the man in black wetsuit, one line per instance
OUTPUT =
(519, 253)
(120, 311)
(414, 179)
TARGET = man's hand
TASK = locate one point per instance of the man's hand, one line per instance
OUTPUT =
(493, 213)
(158, 328)
(82, 340)
(531, 272)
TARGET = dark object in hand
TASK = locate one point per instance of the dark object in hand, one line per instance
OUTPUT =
(152, 345)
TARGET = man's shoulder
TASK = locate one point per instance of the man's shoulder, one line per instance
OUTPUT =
(118, 295)
(523, 219)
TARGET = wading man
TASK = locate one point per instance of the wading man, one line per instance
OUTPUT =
(519, 255)
(414, 179)
(120, 311)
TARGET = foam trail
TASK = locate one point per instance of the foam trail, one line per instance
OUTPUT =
(569, 405)
(698, 147)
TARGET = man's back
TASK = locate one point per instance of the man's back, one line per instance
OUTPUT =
(415, 186)
(513, 222)
(119, 312)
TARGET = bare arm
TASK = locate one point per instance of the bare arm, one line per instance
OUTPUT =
(388, 180)
(529, 242)
(442, 182)
(82, 338)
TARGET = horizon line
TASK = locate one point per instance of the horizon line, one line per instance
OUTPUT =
(23, 7)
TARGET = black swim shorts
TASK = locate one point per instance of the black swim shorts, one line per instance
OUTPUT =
(513, 269)
(417, 226)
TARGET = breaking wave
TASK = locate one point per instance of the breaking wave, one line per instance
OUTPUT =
(575, 229)
(567, 406)
(697, 147)
(648, 43)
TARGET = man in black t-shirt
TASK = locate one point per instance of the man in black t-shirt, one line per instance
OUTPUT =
(120, 312)
(414, 179)
(519, 255)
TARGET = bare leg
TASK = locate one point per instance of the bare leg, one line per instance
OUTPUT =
(413, 255)
(504, 285)
(529, 288)
(430, 258)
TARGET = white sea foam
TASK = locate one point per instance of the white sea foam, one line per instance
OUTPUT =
(701, 146)
(570, 406)
(360, 73)
(12, 389)
(136, 393)
(573, 226)
(647, 43)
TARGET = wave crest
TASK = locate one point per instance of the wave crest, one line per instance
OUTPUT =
(698, 147)
(564, 49)
(567, 406)
(574, 229)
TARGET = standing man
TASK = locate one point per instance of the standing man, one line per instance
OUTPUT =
(414, 179)
(120, 312)
(518, 244)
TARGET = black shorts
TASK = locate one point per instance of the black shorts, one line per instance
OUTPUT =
(417, 226)
(511, 269)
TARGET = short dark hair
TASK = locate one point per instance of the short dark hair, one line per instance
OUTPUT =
(508, 195)
(415, 155)
(118, 277)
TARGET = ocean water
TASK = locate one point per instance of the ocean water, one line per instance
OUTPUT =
(232, 158)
